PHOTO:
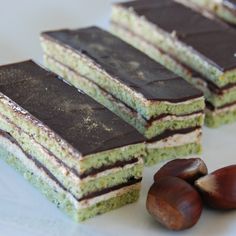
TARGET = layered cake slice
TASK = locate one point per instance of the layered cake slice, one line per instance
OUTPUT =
(79, 154)
(224, 9)
(221, 100)
(163, 23)
(130, 84)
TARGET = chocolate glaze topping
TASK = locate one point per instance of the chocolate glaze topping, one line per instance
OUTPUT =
(126, 64)
(86, 125)
(214, 41)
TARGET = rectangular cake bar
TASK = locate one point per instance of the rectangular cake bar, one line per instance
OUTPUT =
(224, 9)
(221, 101)
(80, 155)
(205, 45)
(130, 84)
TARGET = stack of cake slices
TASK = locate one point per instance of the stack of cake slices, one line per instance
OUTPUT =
(159, 104)
(80, 155)
(200, 49)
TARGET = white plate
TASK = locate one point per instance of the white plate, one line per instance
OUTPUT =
(23, 210)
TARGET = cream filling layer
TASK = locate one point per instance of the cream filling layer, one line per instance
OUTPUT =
(177, 140)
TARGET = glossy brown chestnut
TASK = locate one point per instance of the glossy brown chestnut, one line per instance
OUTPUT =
(218, 189)
(174, 203)
(186, 169)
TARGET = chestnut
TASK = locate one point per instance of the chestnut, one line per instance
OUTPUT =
(187, 169)
(218, 189)
(174, 203)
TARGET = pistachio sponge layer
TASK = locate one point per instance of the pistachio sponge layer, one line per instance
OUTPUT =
(140, 83)
(150, 128)
(183, 151)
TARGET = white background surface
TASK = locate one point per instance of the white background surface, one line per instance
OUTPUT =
(23, 210)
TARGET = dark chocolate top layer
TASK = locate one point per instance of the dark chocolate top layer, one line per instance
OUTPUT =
(126, 64)
(86, 125)
(214, 41)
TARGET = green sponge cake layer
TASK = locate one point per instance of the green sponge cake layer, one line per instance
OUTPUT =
(56, 193)
(150, 128)
(190, 41)
(225, 9)
(133, 78)
(84, 148)
(164, 154)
